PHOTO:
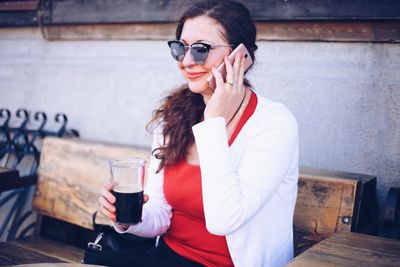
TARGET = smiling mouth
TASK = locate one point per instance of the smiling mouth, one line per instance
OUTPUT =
(194, 75)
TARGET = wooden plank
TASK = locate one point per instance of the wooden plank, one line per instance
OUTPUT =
(139, 31)
(51, 248)
(9, 173)
(12, 255)
(364, 209)
(71, 174)
(8, 179)
(321, 10)
(331, 175)
(361, 31)
(351, 249)
(18, 19)
(331, 201)
(111, 11)
(19, 5)
(77, 12)
(343, 31)
(125, 11)
(8, 182)
(322, 203)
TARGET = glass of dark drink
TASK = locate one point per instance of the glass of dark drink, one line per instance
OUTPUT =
(127, 175)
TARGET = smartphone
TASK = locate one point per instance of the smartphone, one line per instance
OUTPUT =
(248, 61)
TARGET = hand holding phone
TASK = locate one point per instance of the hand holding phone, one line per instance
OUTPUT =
(222, 69)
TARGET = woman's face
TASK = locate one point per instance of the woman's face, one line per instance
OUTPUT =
(205, 30)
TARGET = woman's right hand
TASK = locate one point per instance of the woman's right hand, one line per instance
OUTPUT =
(227, 95)
(107, 201)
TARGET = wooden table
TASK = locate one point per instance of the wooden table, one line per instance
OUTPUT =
(350, 249)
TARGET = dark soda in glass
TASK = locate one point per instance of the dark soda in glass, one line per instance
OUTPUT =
(129, 204)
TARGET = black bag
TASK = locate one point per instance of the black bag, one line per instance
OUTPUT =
(110, 247)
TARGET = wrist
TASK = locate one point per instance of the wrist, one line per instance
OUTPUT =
(120, 228)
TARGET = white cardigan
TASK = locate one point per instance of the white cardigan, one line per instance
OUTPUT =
(249, 189)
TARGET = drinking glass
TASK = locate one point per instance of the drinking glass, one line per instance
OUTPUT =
(127, 176)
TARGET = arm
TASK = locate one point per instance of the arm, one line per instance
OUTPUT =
(156, 212)
(233, 196)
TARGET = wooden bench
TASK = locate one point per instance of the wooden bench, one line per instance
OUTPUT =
(72, 171)
(331, 201)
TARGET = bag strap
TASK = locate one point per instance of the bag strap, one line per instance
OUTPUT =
(95, 225)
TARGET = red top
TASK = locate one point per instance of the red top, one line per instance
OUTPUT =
(188, 235)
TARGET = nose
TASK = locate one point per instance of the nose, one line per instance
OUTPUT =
(188, 59)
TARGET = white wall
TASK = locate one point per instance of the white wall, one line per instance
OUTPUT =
(346, 96)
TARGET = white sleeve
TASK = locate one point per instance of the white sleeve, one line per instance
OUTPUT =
(156, 212)
(231, 197)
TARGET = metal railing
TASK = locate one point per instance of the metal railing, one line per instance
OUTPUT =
(20, 148)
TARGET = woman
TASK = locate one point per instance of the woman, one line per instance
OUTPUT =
(222, 181)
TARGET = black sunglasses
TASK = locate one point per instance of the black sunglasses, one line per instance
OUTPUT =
(199, 51)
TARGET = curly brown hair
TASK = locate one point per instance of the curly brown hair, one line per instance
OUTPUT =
(182, 108)
(179, 111)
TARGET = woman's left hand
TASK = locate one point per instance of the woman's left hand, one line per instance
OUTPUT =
(227, 95)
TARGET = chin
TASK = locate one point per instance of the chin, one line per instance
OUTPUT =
(199, 87)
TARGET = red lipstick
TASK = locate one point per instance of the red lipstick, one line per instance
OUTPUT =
(194, 75)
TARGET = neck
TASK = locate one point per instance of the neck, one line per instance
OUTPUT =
(206, 98)
(207, 94)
